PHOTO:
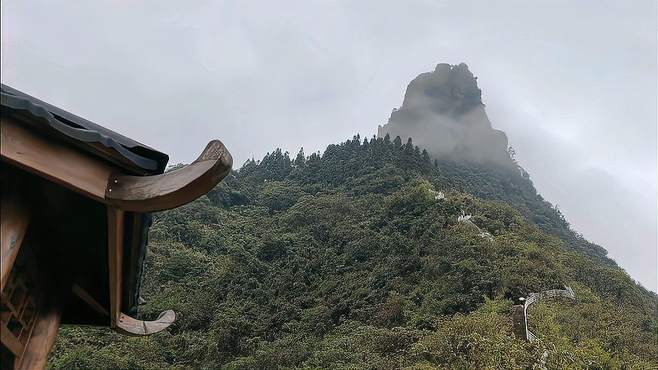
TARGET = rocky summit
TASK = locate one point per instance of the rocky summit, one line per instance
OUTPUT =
(443, 112)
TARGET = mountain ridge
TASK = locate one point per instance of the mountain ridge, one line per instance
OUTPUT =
(351, 259)
(361, 257)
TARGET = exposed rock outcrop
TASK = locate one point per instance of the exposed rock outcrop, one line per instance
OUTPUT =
(443, 112)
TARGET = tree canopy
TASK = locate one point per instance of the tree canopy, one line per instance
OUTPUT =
(349, 259)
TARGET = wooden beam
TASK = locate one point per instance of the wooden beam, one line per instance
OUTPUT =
(115, 261)
(55, 161)
(171, 189)
(41, 342)
(89, 300)
(14, 221)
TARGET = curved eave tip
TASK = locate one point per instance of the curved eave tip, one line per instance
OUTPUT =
(131, 326)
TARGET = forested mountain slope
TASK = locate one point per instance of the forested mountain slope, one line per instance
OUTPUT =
(355, 259)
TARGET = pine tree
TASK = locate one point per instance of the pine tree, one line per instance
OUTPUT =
(426, 156)
(300, 160)
(409, 147)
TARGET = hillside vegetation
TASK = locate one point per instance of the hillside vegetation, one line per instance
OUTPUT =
(351, 259)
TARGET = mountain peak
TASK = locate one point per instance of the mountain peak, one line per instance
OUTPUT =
(448, 89)
(443, 112)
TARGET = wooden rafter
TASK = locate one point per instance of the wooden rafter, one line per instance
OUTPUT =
(89, 300)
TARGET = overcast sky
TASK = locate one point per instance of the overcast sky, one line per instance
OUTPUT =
(572, 83)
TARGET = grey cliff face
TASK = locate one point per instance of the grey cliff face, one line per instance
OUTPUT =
(443, 112)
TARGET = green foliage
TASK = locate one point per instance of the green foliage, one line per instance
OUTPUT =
(482, 339)
(350, 259)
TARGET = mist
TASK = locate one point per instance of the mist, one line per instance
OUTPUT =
(443, 112)
(574, 91)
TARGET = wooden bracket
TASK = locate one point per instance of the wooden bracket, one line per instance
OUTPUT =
(130, 326)
(171, 189)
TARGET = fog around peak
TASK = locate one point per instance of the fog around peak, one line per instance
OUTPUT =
(443, 112)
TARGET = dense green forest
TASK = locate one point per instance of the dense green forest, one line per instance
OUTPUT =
(354, 258)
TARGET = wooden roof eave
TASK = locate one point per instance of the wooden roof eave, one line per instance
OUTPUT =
(105, 183)
(171, 189)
